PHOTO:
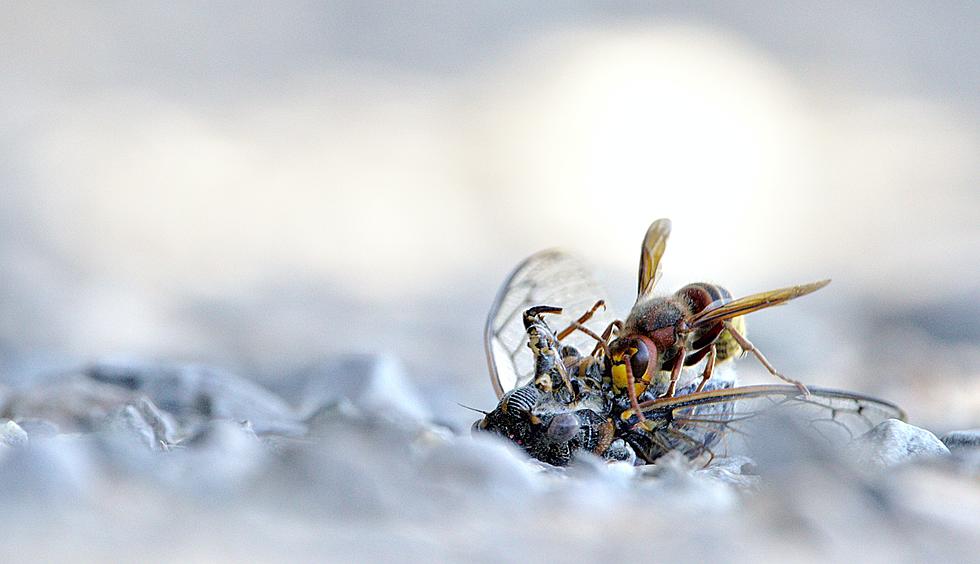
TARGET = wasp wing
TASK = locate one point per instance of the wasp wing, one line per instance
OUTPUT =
(654, 245)
(713, 422)
(755, 302)
(549, 277)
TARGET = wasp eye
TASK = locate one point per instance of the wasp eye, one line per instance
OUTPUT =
(640, 359)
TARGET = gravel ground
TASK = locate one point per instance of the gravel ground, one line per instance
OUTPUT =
(167, 462)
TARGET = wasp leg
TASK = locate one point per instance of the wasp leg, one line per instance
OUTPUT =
(675, 373)
(585, 317)
(709, 367)
(747, 346)
(631, 390)
(600, 342)
(606, 337)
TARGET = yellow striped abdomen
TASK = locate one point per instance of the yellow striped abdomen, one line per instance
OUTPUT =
(726, 345)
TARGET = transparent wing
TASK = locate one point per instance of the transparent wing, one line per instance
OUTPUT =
(654, 245)
(551, 278)
(719, 422)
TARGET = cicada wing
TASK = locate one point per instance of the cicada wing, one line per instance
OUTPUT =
(552, 278)
(719, 421)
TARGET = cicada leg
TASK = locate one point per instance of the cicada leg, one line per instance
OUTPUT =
(747, 346)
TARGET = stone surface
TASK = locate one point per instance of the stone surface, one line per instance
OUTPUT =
(38, 428)
(894, 442)
(197, 393)
(128, 422)
(12, 435)
(479, 463)
(737, 471)
(54, 471)
(373, 383)
(218, 462)
(366, 468)
(71, 401)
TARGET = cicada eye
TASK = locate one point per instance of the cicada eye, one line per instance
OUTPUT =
(563, 427)
(478, 425)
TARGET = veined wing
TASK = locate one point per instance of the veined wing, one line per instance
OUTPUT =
(707, 422)
(549, 277)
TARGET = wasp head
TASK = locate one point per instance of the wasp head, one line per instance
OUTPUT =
(632, 355)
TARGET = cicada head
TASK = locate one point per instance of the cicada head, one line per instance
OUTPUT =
(548, 427)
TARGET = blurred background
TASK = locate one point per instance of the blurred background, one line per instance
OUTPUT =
(262, 186)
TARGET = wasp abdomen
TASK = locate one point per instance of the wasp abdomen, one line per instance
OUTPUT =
(702, 295)
(705, 295)
(726, 345)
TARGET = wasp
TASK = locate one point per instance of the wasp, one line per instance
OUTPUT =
(663, 334)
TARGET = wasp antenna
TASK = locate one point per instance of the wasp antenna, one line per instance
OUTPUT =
(473, 409)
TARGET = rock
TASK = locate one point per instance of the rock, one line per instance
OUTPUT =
(894, 442)
(219, 459)
(199, 393)
(481, 463)
(72, 402)
(375, 384)
(163, 424)
(968, 439)
(141, 423)
(128, 425)
(587, 466)
(737, 471)
(353, 464)
(674, 480)
(57, 470)
(38, 428)
(12, 435)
